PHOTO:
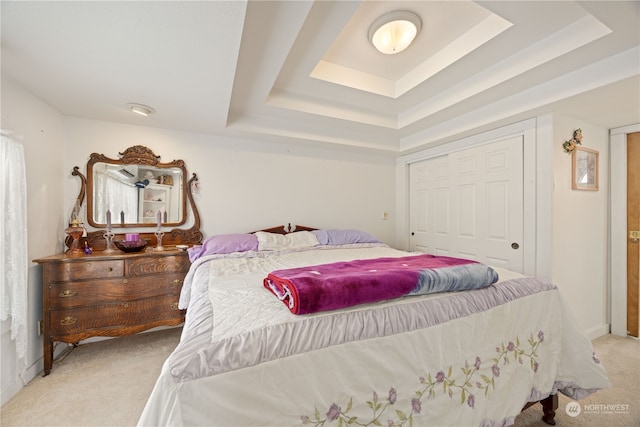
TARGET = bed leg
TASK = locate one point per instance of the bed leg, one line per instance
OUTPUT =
(549, 406)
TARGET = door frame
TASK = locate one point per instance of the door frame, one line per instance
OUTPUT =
(536, 200)
(618, 228)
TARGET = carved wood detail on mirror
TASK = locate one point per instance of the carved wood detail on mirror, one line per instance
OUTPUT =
(137, 191)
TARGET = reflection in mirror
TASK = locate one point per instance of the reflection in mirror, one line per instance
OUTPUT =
(136, 190)
(134, 194)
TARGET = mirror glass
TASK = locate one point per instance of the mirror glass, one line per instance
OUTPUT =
(135, 194)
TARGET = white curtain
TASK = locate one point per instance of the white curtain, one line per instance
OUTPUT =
(115, 196)
(13, 239)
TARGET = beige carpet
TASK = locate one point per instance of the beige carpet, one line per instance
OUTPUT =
(621, 358)
(107, 383)
(103, 383)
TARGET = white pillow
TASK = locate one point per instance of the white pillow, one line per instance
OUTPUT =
(275, 242)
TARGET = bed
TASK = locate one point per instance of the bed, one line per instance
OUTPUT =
(473, 357)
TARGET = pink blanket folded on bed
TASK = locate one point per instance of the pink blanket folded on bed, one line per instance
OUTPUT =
(338, 285)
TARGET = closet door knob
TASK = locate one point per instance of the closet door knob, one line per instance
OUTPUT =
(514, 245)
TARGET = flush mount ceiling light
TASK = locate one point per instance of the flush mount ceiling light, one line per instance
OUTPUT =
(143, 110)
(392, 33)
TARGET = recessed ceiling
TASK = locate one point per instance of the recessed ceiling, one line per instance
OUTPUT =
(305, 72)
(451, 30)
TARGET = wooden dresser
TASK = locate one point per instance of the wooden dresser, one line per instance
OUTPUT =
(109, 295)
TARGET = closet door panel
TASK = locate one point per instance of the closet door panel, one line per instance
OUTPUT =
(469, 204)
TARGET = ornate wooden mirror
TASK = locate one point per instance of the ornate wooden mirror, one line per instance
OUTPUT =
(138, 191)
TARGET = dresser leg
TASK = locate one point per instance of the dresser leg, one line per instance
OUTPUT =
(48, 356)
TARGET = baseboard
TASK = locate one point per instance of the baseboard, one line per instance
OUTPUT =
(21, 379)
(36, 368)
(598, 331)
(10, 391)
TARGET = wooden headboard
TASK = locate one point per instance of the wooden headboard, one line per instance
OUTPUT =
(286, 229)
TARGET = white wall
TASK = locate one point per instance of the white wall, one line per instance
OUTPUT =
(42, 130)
(247, 185)
(580, 229)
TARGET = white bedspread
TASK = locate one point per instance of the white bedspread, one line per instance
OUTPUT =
(470, 358)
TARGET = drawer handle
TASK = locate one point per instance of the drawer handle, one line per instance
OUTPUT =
(125, 305)
(68, 321)
(176, 281)
(68, 293)
(109, 268)
(174, 306)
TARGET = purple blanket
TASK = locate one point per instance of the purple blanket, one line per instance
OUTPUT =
(344, 284)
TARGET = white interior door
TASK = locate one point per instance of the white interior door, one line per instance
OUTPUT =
(469, 204)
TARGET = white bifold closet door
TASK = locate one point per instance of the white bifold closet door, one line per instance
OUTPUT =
(469, 204)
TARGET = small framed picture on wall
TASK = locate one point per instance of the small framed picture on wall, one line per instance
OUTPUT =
(585, 169)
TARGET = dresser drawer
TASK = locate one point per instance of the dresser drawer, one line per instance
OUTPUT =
(95, 292)
(88, 270)
(81, 319)
(153, 265)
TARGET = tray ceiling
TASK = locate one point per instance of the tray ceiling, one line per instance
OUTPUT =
(305, 72)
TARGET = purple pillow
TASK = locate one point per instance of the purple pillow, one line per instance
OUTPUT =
(224, 244)
(343, 237)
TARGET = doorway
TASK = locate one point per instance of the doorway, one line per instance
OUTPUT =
(619, 231)
(633, 226)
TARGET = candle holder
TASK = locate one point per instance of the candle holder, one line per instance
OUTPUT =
(159, 233)
(108, 236)
(75, 231)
